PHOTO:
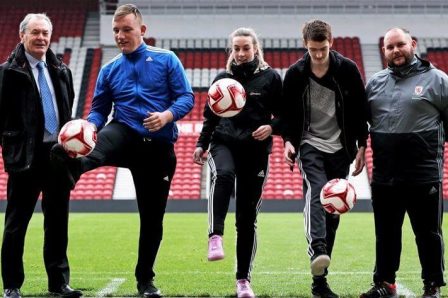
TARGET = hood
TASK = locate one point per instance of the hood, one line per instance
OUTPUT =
(417, 66)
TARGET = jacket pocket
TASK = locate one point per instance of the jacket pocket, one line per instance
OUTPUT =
(14, 149)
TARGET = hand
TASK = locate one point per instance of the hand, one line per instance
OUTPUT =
(199, 156)
(359, 161)
(93, 126)
(157, 120)
(95, 130)
(290, 154)
(262, 133)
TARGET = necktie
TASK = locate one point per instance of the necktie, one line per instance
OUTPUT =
(51, 123)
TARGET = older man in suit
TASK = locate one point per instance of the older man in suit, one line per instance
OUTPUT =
(36, 97)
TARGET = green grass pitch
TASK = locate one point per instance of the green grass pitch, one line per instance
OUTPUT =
(103, 247)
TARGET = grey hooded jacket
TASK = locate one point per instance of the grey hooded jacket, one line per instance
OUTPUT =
(408, 112)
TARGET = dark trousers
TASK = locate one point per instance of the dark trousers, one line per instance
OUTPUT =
(152, 164)
(248, 165)
(22, 194)
(318, 168)
(424, 205)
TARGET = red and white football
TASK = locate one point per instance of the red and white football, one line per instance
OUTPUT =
(78, 137)
(338, 196)
(226, 97)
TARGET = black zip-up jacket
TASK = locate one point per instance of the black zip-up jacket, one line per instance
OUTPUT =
(263, 88)
(351, 102)
(21, 113)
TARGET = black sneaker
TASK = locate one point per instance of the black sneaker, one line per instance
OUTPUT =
(67, 167)
(321, 289)
(148, 290)
(381, 290)
(319, 261)
(12, 293)
(431, 291)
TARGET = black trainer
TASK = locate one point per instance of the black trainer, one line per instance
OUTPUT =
(381, 290)
(319, 261)
(67, 167)
(431, 291)
(321, 289)
(12, 293)
(148, 290)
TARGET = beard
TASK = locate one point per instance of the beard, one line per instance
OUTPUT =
(408, 57)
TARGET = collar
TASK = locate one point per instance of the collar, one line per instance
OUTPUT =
(245, 70)
(33, 61)
(404, 70)
(332, 66)
(140, 49)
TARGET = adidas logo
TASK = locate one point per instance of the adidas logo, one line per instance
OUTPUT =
(166, 178)
(261, 174)
(149, 59)
(433, 190)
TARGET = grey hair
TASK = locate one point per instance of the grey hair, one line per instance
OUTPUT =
(251, 33)
(40, 16)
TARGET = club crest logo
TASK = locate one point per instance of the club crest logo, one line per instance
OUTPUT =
(418, 90)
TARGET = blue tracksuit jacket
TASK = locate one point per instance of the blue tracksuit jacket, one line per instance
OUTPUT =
(147, 80)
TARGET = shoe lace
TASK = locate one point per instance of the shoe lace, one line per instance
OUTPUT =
(243, 285)
(320, 249)
(215, 242)
(11, 291)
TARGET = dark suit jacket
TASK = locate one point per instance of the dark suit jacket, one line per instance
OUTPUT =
(21, 113)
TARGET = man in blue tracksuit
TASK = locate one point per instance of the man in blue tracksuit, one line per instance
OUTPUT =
(149, 91)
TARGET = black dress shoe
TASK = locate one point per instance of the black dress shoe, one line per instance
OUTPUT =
(66, 291)
(12, 293)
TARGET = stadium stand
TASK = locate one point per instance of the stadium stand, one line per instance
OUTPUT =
(187, 179)
(290, 7)
(281, 183)
(204, 56)
(438, 57)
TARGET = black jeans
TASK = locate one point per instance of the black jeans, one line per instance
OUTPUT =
(424, 205)
(23, 191)
(318, 168)
(246, 165)
(152, 164)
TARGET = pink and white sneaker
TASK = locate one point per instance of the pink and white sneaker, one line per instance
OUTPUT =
(243, 289)
(215, 249)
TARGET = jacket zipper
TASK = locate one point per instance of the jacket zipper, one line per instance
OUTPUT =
(343, 116)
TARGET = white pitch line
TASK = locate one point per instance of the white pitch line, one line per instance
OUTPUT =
(403, 291)
(110, 287)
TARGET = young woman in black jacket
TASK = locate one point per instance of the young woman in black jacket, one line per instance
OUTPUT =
(238, 152)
